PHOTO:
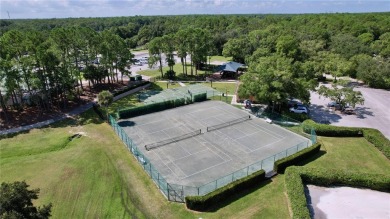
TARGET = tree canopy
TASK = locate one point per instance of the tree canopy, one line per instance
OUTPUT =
(16, 202)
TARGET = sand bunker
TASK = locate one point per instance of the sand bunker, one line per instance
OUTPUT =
(346, 202)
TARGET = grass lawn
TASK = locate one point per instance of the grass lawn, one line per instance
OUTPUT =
(223, 87)
(178, 68)
(220, 59)
(219, 86)
(355, 154)
(96, 177)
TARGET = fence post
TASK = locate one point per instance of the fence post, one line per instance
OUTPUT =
(158, 180)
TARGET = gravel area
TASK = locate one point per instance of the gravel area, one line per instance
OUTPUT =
(347, 202)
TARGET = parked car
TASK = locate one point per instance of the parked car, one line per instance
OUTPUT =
(299, 109)
(334, 104)
(348, 110)
(294, 102)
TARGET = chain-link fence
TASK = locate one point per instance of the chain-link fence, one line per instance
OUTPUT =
(177, 193)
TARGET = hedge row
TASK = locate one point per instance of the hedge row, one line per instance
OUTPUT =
(281, 165)
(332, 131)
(373, 136)
(150, 108)
(201, 203)
(296, 193)
(200, 97)
(296, 177)
(376, 138)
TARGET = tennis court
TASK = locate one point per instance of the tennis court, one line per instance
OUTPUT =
(204, 156)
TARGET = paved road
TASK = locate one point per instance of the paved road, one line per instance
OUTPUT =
(375, 113)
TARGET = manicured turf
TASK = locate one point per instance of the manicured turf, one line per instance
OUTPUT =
(355, 154)
(220, 59)
(96, 177)
(178, 68)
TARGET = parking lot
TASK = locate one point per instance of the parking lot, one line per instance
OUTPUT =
(375, 113)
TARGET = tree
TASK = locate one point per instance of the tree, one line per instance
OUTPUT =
(16, 202)
(105, 98)
(288, 46)
(168, 44)
(237, 48)
(155, 48)
(272, 80)
(342, 94)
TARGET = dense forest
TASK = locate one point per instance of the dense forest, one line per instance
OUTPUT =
(285, 54)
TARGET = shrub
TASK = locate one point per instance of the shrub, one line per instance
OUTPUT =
(325, 177)
(376, 138)
(204, 202)
(332, 131)
(150, 108)
(281, 165)
(296, 193)
(296, 116)
(200, 97)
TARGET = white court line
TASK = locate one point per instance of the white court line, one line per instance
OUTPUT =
(266, 130)
(268, 145)
(228, 141)
(166, 164)
(173, 162)
(262, 146)
(206, 169)
(278, 139)
(205, 145)
(143, 124)
(190, 155)
(178, 144)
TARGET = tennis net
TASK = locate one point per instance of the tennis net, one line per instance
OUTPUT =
(225, 124)
(148, 147)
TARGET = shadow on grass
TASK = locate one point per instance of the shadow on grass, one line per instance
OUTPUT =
(237, 196)
(312, 158)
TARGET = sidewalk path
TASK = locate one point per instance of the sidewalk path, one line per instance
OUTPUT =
(72, 113)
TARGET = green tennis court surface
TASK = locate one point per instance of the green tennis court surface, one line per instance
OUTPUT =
(195, 161)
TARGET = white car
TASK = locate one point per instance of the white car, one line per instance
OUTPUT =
(298, 109)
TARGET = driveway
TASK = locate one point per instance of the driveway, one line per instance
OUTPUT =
(375, 113)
